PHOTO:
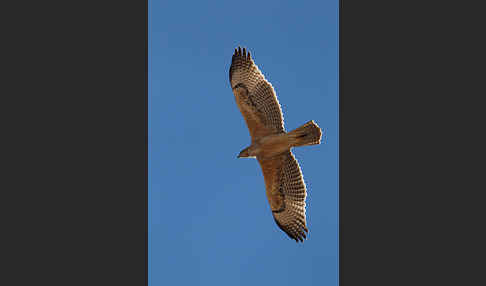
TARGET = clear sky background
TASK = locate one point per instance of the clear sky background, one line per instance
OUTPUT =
(209, 219)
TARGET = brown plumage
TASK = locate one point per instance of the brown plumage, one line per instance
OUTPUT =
(271, 145)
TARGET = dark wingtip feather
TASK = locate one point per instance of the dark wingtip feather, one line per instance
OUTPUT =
(298, 237)
(242, 52)
(241, 56)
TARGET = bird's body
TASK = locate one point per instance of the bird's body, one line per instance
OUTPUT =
(268, 146)
(271, 144)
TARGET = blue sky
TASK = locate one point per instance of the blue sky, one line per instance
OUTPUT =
(209, 219)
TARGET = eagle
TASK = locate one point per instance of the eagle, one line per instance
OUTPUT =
(271, 145)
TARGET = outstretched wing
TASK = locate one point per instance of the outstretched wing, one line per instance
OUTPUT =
(286, 193)
(255, 97)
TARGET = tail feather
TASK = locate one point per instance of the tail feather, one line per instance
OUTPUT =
(307, 134)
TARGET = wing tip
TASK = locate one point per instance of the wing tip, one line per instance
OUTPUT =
(240, 55)
(298, 236)
(243, 53)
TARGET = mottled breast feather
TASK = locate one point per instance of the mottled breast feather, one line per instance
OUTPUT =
(255, 97)
(286, 193)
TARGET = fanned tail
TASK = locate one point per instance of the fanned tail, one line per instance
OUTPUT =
(307, 134)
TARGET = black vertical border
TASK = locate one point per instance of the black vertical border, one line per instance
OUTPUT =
(146, 140)
(411, 118)
(74, 197)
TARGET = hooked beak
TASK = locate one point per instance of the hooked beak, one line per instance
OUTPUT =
(243, 153)
(240, 155)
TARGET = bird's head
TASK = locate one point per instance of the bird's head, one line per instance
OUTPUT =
(245, 153)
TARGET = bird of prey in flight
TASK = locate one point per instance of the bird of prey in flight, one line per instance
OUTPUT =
(271, 145)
